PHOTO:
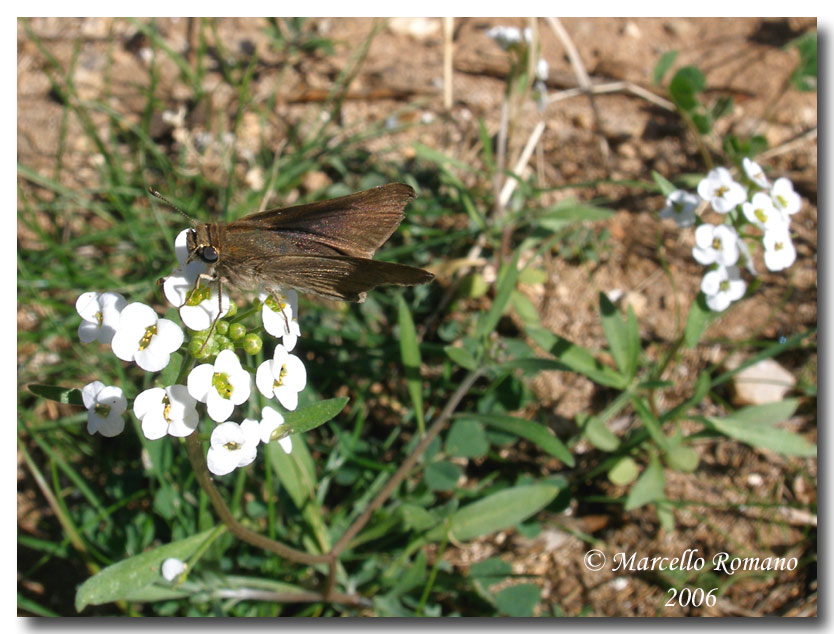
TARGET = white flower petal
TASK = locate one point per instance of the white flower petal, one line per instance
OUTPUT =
(199, 381)
(220, 462)
(89, 393)
(169, 335)
(152, 359)
(219, 408)
(227, 362)
(265, 379)
(286, 444)
(173, 568)
(148, 400)
(154, 425)
(287, 397)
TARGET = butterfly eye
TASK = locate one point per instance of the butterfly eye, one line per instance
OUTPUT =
(209, 254)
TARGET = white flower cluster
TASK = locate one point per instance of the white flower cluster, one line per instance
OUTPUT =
(720, 247)
(509, 38)
(135, 333)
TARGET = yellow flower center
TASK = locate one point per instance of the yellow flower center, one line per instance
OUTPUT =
(280, 380)
(716, 244)
(760, 214)
(145, 341)
(100, 318)
(724, 286)
(166, 411)
(197, 295)
(232, 445)
(778, 246)
(721, 191)
(102, 410)
(782, 201)
(220, 382)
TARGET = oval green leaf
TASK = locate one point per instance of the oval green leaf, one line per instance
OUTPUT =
(125, 578)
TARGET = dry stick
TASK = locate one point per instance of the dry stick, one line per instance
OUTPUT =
(198, 461)
(511, 183)
(582, 78)
(614, 86)
(448, 32)
(788, 146)
(406, 466)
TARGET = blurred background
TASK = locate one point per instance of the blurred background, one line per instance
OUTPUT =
(510, 157)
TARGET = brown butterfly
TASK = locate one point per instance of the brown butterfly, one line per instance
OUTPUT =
(325, 247)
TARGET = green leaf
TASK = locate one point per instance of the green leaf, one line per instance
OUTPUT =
(295, 471)
(576, 358)
(530, 430)
(702, 121)
(663, 65)
(768, 414)
(497, 511)
(599, 435)
(466, 439)
(415, 574)
(625, 471)
(310, 417)
(410, 353)
(682, 458)
(66, 395)
(804, 76)
(699, 317)
(505, 286)
(649, 486)
(490, 571)
(416, 517)
(568, 212)
(519, 600)
(686, 83)
(461, 356)
(120, 580)
(525, 309)
(755, 426)
(619, 334)
(665, 186)
(442, 476)
(169, 375)
(651, 423)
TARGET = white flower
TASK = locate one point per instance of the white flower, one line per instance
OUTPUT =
(271, 425)
(761, 212)
(198, 307)
(233, 446)
(542, 69)
(715, 244)
(105, 406)
(785, 199)
(722, 287)
(779, 250)
(755, 173)
(220, 386)
(145, 338)
(507, 36)
(99, 315)
(280, 316)
(721, 191)
(680, 207)
(283, 377)
(173, 568)
(166, 411)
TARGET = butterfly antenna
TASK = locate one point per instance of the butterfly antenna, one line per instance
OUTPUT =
(171, 205)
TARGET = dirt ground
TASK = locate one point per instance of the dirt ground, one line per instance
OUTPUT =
(739, 500)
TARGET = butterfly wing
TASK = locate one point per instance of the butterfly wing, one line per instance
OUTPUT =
(338, 277)
(355, 225)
